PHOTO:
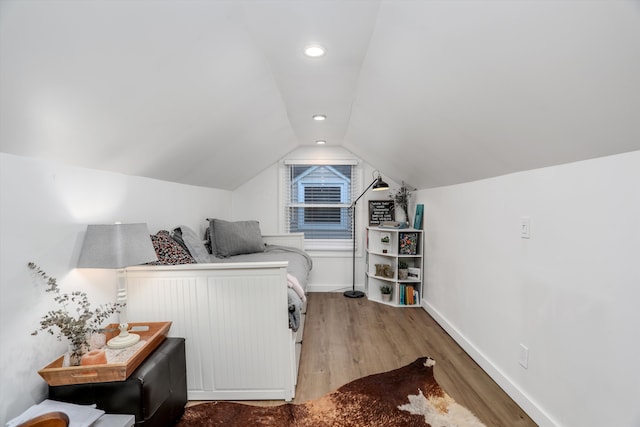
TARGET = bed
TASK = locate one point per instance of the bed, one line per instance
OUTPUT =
(240, 309)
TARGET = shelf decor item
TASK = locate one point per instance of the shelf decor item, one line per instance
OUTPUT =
(401, 199)
(408, 243)
(388, 271)
(378, 185)
(381, 211)
(403, 270)
(385, 292)
(417, 222)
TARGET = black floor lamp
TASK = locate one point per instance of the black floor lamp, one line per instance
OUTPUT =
(378, 185)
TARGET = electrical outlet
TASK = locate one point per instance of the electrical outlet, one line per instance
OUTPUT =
(524, 356)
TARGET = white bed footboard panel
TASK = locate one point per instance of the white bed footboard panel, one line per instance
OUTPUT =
(235, 322)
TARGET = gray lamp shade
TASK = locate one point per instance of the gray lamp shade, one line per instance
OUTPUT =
(116, 246)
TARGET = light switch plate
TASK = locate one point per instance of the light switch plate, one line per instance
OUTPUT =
(525, 227)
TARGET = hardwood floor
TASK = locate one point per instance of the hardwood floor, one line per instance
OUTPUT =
(345, 339)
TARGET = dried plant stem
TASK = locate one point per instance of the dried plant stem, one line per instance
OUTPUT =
(75, 329)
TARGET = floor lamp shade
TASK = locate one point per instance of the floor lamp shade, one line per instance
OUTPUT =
(117, 246)
(378, 185)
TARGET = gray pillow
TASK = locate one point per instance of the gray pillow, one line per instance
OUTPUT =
(176, 234)
(235, 238)
(210, 240)
(194, 244)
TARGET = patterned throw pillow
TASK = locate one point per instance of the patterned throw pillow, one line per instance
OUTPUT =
(169, 251)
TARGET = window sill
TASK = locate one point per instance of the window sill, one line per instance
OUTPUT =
(330, 248)
(323, 245)
(332, 254)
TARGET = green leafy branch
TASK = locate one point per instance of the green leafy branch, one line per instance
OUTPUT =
(74, 320)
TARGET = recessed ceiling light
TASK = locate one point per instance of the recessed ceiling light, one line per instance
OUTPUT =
(319, 117)
(321, 142)
(314, 51)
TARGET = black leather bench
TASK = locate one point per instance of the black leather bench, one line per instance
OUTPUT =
(155, 393)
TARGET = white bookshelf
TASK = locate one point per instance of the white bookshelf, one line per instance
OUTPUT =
(385, 249)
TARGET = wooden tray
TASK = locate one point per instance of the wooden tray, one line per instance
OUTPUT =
(54, 374)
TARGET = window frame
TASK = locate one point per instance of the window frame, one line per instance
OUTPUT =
(325, 246)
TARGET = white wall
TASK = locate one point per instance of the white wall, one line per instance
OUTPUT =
(259, 199)
(44, 210)
(569, 293)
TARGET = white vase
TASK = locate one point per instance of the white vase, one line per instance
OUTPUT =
(402, 216)
(386, 297)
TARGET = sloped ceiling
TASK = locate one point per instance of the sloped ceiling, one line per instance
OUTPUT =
(211, 92)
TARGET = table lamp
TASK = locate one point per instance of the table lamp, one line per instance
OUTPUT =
(118, 246)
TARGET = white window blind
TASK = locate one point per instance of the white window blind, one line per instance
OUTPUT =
(317, 199)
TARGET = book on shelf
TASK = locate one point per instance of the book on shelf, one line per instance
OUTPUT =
(417, 221)
(408, 295)
(393, 224)
(408, 244)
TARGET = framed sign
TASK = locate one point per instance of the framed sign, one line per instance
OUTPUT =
(380, 211)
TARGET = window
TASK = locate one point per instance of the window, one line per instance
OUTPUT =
(317, 202)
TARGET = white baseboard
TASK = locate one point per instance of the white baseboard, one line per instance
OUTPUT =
(331, 288)
(534, 411)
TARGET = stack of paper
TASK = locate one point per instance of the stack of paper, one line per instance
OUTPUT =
(79, 415)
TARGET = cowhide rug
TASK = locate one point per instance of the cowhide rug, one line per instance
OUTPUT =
(405, 397)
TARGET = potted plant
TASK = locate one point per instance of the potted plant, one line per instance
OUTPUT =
(401, 199)
(77, 330)
(385, 291)
(403, 270)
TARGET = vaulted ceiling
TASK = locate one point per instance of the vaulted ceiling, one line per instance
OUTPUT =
(212, 92)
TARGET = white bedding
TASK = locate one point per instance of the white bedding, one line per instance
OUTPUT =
(300, 262)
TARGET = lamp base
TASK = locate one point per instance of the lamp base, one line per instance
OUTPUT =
(123, 341)
(353, 294)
